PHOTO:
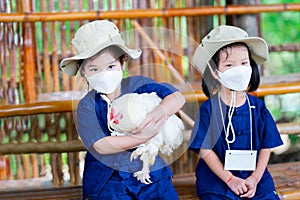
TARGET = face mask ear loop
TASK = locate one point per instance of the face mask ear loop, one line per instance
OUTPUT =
(230, 113)
(211, 69)
(108, 111)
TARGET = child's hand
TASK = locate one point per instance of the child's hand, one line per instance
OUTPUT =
(237, 185)
(153, 117)
(151, 129)
(251, 185)
(146, 122)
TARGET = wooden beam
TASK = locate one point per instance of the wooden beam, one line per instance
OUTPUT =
(37, 108)
(61, 105)
(43, 147)
(147, 13)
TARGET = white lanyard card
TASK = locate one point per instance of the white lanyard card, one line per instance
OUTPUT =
(240, 160)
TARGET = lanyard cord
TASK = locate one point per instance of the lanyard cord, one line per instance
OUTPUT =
(230, 113)
(108, 111)
(250, 114)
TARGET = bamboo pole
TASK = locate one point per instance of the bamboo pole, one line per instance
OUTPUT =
(65, 77)
(3, 60)
(72, 33)
(58, 164)
(12, 90)
(147, 13)
(146, 55)
(20, 170)
(29, 58)
(165, 23)
(46, 60)
(196, 96)
(36, 108)
(157, 51)
(295, 47)
(156, 39)
(136, 69)
(55, 67)
(44, 147)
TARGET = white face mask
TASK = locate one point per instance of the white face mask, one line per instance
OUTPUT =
(236, 78)
(105, 82)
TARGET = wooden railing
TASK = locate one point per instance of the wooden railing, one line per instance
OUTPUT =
(147, 13)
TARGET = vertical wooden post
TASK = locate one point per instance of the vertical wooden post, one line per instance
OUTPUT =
(65, 77)
(29, 57)
(54, 63)
(135, 69)
(247, 22)
(46, 60)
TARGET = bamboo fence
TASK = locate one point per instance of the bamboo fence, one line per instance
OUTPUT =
(36, 35)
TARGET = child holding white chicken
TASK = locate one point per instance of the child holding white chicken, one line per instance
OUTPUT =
(234, 131)
(108, 173)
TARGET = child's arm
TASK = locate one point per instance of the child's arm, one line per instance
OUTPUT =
(148, 129)
(263, 160)
(251, 181)
(236, 184)
(115, 144)
(167, 107)
(172, 103)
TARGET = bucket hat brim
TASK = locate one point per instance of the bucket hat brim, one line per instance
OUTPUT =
(90, 39)
(70, 65)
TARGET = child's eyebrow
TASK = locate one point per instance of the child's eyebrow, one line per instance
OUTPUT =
(92, 65)
(112, 62)
(246, 58)
(109, 63)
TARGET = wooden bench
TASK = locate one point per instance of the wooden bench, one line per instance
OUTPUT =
(286, 177)
(51, 193)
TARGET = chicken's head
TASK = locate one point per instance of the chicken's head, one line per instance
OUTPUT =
(123, 115)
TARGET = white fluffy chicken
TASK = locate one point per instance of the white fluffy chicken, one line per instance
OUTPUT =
(128, 111)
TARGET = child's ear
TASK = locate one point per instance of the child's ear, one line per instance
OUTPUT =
(214, 73)
(213, 69)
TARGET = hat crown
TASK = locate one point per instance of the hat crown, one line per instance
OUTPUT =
(94, 34)
(225, 33)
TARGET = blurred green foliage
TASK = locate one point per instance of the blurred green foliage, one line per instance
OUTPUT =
(281, 28)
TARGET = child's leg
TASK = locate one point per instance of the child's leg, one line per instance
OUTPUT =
(114, 190)
(213, 196)
(162, 189)
(269, 196)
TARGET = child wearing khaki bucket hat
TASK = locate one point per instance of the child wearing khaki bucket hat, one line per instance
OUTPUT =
(234, 131)
(100, 54)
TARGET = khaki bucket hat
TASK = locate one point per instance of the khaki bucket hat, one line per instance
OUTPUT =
(224, 35)
(90, 39)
